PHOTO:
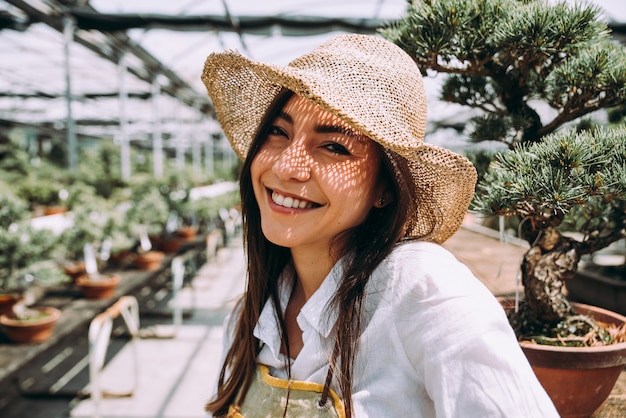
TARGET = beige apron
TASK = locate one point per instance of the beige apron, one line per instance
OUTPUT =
(267, 397)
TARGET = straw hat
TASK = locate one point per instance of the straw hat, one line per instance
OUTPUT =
(372, 85)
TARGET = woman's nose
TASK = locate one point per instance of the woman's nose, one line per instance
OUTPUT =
(293, 163)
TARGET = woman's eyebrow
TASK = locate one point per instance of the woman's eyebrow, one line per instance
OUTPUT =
(285, 116)
(330, 129)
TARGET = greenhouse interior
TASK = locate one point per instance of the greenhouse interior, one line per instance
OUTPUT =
(120, 213)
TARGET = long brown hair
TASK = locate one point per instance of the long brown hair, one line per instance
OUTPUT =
(368, 244)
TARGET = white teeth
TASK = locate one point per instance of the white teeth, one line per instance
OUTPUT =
(289, 202)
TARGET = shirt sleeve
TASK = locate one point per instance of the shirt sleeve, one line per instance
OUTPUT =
(456, 335)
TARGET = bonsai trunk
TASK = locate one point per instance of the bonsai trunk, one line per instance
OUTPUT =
(550, 261)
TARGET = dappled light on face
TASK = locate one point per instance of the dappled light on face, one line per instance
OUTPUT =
(314, 176)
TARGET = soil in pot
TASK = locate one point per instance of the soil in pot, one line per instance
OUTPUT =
(98, 286)
(33, 330)
(149, 261)
(578, 379)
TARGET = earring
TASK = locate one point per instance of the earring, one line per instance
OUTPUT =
(381, 202)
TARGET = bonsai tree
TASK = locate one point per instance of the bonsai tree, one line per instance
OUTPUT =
(148, 211)
(570, 181)
(89, 216)
(526, 67)
(21, 248)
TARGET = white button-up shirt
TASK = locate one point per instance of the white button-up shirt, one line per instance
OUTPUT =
(435, 343)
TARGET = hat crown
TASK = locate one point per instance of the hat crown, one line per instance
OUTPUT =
(373, 80)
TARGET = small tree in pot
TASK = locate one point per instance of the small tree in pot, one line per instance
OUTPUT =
(568, 181)
(527, 68)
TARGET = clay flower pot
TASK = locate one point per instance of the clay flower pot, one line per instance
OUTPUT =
(578, 379)
(30, 330)
(74, 269)
(168, 245)
(7, 300)
(188, 233)
(98, 286)
(149, 261)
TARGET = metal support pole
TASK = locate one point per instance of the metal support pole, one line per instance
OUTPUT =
(68, 38)
(123, 97)
(212, 126)
(196, 149)
(179, 138)
(157, 132)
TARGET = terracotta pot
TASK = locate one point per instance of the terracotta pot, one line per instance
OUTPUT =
(102, 287)
(74, 270)
(54, 210)
(168, 245)
(578, 379)
(188, 233)
(7, 300)
(30, 331)
(149, 261)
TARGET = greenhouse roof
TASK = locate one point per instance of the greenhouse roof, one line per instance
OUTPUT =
(162, 45)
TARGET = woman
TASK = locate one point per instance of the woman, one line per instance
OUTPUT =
(351, 307)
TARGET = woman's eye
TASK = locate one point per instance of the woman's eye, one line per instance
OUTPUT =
(277, 130)
(337, 149)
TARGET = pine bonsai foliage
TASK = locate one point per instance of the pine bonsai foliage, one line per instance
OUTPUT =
(528, 68)
(509, 58)
(568, 181)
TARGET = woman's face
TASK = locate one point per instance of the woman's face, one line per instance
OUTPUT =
(314, 177)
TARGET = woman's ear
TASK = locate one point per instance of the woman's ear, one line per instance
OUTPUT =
(384, 199)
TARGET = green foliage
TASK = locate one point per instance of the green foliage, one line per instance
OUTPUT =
(20, 246)
(577, 179)
(148, 211)
(12, 208)
(89, 219)
(207, 210)
(506, 57)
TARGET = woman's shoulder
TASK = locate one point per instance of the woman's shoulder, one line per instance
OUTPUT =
(427, 267)
(422, 253)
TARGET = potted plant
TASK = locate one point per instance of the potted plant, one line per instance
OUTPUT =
(147, 217)
(32, 325)
(90, 216)
(525, 69)
(21, 245)
(45, 195)
(12, 209)
(26, 323)
(26, 258)
(570, 192)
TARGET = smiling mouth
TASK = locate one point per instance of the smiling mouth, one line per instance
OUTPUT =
(291, 202)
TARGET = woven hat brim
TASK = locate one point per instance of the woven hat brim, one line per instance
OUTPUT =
(242, 91)
(445, 183)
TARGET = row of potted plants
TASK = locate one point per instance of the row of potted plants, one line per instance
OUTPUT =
(135, 222)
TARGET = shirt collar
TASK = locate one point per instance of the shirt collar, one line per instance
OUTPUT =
(314, 311)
